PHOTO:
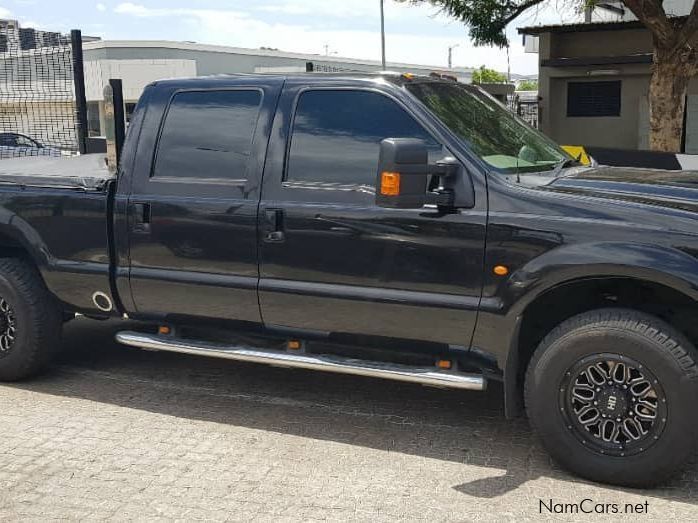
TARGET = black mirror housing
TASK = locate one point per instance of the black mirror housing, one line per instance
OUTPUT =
(403, 170)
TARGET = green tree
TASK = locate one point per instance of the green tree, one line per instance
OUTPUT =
(675, 41)
(528, 85)
(488, 76)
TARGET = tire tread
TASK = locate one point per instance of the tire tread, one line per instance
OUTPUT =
(44, 320)
(668, 339)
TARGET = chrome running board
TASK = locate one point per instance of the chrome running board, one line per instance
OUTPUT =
(326, 363)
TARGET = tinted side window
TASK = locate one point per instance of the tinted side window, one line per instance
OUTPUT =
(208, 135)
(336, 136)
(8, 140)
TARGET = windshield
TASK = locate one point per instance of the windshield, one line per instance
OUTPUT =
(507, 144)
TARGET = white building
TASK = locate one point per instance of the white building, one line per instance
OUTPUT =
(138, 63)
(37, 64)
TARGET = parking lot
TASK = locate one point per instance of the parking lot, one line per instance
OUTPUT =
(118, 433)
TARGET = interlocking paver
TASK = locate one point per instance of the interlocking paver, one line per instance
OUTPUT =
(118, 434)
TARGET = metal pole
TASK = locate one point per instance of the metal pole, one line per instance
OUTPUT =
(383, 34)
(79, 81)
(119, 116)
(450, 55)
(508, 65)
(588, 14)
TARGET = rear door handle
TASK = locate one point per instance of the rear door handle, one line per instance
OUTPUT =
(274, 226)
(141, 218)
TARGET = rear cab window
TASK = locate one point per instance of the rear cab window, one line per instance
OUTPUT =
(207, 136)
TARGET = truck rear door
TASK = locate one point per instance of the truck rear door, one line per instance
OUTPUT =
(331, 260)
(192, 216)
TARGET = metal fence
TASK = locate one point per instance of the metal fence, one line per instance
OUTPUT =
(529, 112)
(39, 115)
(526, 107)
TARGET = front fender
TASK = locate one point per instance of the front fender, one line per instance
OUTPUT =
(501, 316)
(669, 267)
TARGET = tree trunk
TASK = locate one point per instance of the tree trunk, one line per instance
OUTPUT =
(667, 99)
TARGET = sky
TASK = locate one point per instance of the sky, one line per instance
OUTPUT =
(414, 34)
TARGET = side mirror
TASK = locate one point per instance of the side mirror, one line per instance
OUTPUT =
(403, 174)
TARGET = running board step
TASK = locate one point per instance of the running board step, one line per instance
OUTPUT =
(326, 363)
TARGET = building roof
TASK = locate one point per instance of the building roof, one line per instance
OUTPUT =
(585, 27)
(194, 46)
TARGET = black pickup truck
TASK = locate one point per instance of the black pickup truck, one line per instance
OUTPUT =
(389, 226)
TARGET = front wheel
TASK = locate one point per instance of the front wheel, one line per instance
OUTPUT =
(612, 394)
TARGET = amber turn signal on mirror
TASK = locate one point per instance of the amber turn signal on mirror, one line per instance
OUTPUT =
(390, 184)
(501, 270)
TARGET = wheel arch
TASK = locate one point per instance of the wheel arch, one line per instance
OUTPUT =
(14, 244)
(668, 297)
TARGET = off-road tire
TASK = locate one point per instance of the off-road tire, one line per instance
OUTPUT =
(661, 350)
(36, 317)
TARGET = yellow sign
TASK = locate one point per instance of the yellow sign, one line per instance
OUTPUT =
(578, 152)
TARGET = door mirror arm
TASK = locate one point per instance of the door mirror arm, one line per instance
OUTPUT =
(448, 196)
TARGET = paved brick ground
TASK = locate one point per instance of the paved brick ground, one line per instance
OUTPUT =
(116, 433)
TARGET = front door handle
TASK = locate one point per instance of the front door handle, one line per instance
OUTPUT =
(275, 237)
(141, 218)
(274, 226)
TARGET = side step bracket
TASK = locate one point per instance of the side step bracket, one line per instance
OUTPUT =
(327, 363)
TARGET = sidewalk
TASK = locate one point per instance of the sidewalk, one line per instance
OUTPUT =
(118, 433)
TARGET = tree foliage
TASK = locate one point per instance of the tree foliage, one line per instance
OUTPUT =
(528, 85)
(675, 41)
(488, 76)
(487, 20)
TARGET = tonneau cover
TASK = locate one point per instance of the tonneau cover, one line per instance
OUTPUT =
(87, 172)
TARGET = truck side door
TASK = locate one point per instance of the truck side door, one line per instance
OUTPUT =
(331, 260)
(193, 216)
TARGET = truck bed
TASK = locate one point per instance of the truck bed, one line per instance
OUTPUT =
(87, 173)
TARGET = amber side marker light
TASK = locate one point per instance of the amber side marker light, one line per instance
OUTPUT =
(294, 345)
(444, 364)
(164, 329)
(390, 184)
(501, 270)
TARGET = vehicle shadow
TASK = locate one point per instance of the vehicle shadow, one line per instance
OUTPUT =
(452, 426)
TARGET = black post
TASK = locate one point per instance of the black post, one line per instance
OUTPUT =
(119, 116)
(684, 131)
(79, 80)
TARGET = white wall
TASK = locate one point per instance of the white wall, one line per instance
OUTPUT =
(671, 7)
(678, 7)
(692, 125)
(136, 74)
